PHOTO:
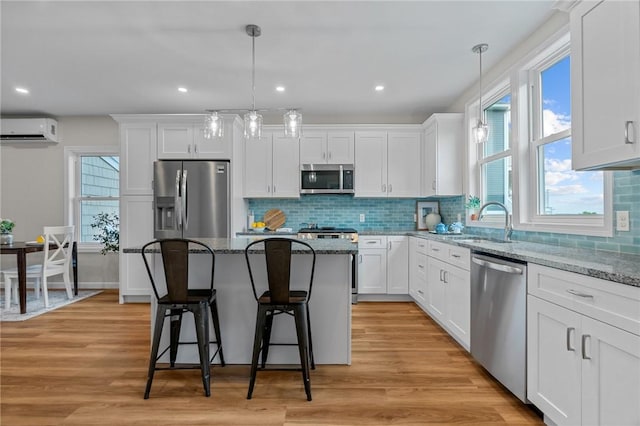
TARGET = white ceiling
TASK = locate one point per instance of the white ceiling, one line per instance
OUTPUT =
(95, 57)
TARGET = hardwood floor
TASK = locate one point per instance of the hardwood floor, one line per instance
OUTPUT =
(85, 364)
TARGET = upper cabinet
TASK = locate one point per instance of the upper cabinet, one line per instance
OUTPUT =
(179, 140)
(333, 147)
(443, 155)
(605, 88)
(137, 154)
(272, 167)
(387, 164)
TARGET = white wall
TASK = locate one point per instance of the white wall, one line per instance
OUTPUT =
(32, 190)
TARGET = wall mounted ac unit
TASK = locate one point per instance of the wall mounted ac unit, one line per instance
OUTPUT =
(28, 130)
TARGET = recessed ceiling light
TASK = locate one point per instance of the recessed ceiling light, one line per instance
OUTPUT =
(22, 90)
(182, 89)
(379, 88)
(280, 88)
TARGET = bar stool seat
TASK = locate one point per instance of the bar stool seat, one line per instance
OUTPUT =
(279, 299)
(178, 300)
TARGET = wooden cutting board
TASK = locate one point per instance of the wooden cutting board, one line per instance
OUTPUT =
(274, 219)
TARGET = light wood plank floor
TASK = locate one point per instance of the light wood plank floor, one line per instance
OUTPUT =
(85, 364)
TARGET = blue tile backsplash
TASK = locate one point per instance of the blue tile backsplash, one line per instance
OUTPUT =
(387, 214)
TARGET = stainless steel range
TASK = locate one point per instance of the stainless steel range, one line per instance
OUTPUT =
(313, 232)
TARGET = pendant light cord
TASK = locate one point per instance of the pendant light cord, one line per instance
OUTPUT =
(480, 105)
(253, 69)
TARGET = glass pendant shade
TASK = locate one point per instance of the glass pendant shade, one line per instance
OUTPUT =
(253, 125)
(213, 127)
(292, 123)
(481, 132)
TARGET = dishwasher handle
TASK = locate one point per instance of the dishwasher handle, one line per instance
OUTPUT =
(497, 266)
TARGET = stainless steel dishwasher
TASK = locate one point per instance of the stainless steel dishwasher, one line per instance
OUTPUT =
(499, 320)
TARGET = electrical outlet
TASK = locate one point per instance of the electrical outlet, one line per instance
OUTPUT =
(361, 217)
(622, 221)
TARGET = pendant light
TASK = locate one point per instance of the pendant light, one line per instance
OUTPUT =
(253, 118)
(481, 130)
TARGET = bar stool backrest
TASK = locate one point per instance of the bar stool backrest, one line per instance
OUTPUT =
(278, 253)
(175, 260)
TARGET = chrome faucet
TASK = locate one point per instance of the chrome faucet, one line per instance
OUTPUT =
(508, 229)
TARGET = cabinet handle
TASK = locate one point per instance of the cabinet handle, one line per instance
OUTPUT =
(446, 281)
(421, 266)
(627, 124)
(584, 346)
(390, 188)
(579, 294)
(441, 271)
(274, 189)
(195, 148)
(457, 256)
(268, 188)
(421, 245)
(433, 184)
(359, 258)
(569, 330)
(390, 246)
(329, 155)
(372, 242)
(421, 292)
(384, 187)
(434, 249)
(324, 155)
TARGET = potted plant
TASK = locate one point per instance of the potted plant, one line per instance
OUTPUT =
(473, 204)
(6, 229)
(108, 225)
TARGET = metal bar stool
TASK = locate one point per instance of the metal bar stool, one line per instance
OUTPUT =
(280, 299)
(179, 299)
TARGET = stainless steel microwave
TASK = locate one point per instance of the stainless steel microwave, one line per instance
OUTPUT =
(327, 179)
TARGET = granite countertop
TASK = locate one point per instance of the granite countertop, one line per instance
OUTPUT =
(618, 267)
(237, 245)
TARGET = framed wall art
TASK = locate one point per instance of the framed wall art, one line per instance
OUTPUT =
(423, 209)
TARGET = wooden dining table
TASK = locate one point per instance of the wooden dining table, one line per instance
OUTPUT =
(21, 249)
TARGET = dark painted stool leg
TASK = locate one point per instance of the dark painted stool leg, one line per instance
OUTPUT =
(300, 314)
(313, 362)
(260, 322)
(266, 339)
(174, 332)
(213, 306)
(202, 333)
(157, 333)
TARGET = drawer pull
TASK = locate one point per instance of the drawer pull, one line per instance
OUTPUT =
(457, 256)
(421, 292)
(421, 266)
(579, 294)
(434, 249)
(569, 330)
(372, 242)
(584, 346)
(626, 132)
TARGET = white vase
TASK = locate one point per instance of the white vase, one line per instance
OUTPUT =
(6, 239)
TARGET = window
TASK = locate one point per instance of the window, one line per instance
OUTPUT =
(559, 189)
(93, 187)
(495, 163)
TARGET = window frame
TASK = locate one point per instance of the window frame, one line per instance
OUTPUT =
(72, 155)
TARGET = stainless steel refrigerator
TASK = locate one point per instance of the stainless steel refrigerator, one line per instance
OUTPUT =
(191, 199)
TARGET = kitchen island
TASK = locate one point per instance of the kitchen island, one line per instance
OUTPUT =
(329, 306)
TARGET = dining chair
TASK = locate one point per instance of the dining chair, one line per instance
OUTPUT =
(177, 299)
(58, 246)
(280, 299)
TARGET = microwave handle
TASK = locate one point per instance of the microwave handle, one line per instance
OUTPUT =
(341, 178)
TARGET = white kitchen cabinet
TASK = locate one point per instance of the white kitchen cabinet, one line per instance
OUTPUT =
(333, 147)
(418, 264)
(136, 229)
(272, 167)
(581, 368)
(383, 266)
(137, 154)
(185, 140)
(449, 289)
(605, 46)
(443, 155)
(387, 164)
(397, 264)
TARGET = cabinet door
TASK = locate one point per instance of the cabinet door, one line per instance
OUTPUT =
(553, 361)
(413, 266)
(214, 148)
(429, 155)
(372, 271)
(458, 303)
(340, 148)
(313, 148)
(403, 165)
(257, 167)
(371, 164)
(286, 167)
(175, 141)
(137, 154)
(436, 295)
(398, 265)
(605, 38)
(421, 268)
(136, 229)
(610, 375)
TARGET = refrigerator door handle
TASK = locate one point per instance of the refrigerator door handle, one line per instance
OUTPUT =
(177, 202)
(185, 201)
